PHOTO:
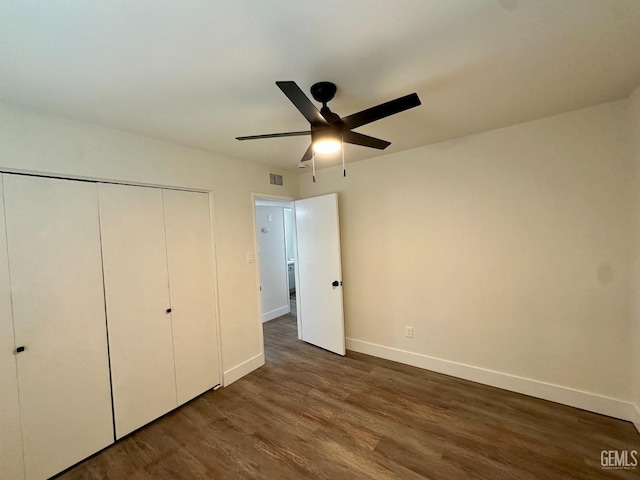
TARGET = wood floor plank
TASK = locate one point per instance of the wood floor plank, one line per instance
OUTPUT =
(310, 414)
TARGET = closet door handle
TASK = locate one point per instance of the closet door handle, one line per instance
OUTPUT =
(168, 310)
(20, 349)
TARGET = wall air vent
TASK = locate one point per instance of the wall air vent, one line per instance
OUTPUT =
(275, 179)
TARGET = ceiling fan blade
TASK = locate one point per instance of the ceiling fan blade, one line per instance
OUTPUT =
(364, 140)
(302, 102)
(308, 155)
(381, 111)
(275, 135)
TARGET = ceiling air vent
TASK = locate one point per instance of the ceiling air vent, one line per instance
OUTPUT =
(275, 179)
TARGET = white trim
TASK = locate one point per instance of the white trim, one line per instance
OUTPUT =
(256, 271)
(84, 178)
(296, 273)
(269, 197)
(593, 402)
(636, 415)
(278, 312)
(216, 291)
(274, 203)
(246, 367)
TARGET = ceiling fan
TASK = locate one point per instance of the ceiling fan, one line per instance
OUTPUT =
(328, 130)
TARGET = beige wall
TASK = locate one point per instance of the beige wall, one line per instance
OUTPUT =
(32, 141)
(634, 107)
(508, 250)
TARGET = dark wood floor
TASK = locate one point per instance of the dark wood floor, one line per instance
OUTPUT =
(311, 414)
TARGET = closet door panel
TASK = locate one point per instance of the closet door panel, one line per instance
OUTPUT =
(10, 431)
(190, 260)
(137, 296)
(58, 305)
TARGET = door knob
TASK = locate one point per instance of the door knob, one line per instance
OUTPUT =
(336, 283)
(20, 349)
(168, 310)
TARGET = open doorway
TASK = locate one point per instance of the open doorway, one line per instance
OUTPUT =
(310, 297)
(276, 258)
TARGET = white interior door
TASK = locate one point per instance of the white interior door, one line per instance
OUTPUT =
(137, 297)
(53, 240)
(319, 291)
(190, 260)
(11, 464)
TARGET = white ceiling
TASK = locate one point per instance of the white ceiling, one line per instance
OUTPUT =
(200, 73)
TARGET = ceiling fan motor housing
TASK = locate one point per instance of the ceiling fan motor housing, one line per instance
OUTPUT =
(323, 92)
(322, 133)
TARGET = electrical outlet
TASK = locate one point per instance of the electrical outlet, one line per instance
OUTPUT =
(408, 331)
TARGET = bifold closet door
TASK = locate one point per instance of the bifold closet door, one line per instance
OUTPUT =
(53, 241)
(190, 259)
(11, 465)
(137, 297)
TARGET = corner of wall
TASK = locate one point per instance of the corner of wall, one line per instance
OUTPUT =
(634, 106)
(245, 368)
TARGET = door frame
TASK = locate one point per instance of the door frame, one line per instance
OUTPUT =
(286, 202)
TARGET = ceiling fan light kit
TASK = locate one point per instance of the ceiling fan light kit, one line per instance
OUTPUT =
(328, 130)
(325, 141)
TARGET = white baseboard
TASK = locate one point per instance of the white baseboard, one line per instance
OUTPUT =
(239, 371)
(278, 312)
(636, 416)
(611, 407)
